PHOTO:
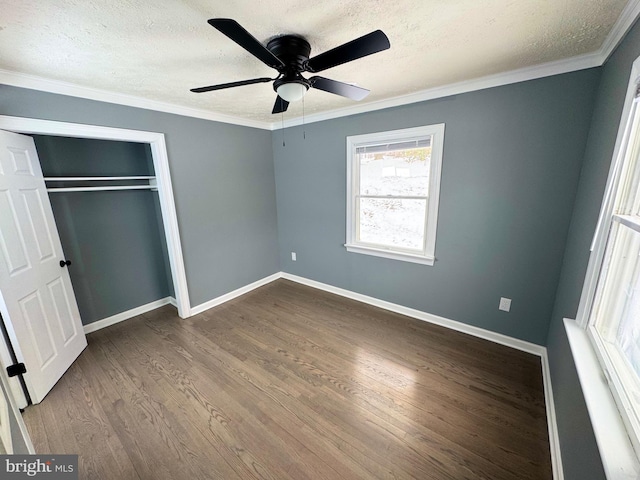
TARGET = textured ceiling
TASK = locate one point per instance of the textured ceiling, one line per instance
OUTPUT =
(160, 49)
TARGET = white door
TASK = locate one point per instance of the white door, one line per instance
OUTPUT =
(36, 298)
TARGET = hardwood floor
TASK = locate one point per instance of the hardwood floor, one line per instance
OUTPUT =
(288, 382)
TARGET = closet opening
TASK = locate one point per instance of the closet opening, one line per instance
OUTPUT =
(107, 212)
(111, 194)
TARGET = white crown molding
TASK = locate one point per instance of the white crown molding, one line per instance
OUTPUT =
(520, 75)
(514, 76)
(34, 82)
(625, 21)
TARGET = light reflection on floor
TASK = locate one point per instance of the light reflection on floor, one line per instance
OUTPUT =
(389, 375)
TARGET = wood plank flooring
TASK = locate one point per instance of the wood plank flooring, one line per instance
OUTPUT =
(289, 382)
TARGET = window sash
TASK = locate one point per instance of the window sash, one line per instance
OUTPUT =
(374, 147)
(612, 190)
(383, 246)
(433, 136)
(358, 196)
(603, 324)
(601, 308)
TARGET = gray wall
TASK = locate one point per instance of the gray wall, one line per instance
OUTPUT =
(579, 451)
(512, 157)
(113, 238)
(223, 182)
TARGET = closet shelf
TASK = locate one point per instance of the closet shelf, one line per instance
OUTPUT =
(105, 188)
(151, 185)
(94, 179)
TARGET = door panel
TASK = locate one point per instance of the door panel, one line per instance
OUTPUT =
(21, 164)
(39, 307)
(13, 248)
(62, 310)
(35, 319)
(35, 213)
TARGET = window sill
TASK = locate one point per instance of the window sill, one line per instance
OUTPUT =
(379, 252)
(618, 457)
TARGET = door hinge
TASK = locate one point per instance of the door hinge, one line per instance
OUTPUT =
(16, 369)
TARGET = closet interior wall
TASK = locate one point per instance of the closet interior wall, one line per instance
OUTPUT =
(115, 238)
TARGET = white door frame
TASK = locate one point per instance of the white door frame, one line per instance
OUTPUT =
(163, 178)
(5, 390)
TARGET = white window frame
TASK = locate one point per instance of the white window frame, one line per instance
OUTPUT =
(616, 430)
(427, 255)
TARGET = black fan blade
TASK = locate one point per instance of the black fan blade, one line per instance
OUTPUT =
(373, 42)
(235, 32)
(231, 84)
(280, 106)
(339, 88)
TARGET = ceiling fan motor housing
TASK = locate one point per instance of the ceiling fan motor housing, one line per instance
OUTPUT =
(294, 52)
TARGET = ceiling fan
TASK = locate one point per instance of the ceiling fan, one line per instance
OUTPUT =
(289, 55)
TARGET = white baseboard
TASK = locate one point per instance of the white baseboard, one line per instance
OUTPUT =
(552, 425)
(233, 294)
(420, 315)
(106, 322)
(554, 439)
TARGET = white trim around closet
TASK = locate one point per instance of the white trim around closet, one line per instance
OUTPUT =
(163, 179)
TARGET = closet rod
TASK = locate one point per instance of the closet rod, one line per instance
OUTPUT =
(96, 189)
(88, 179)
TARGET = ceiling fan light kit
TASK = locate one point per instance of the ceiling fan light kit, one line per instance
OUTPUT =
(291, 91)
(289, 55)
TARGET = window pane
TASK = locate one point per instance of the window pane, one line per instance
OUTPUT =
(618, 291)
(617, 315)
(393, 222)
(400, 172)
(627, 336)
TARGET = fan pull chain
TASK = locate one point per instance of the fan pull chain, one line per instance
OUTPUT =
(304, 133)
(282, 116)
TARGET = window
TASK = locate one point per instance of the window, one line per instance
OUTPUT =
(613, 318)
(393, 186)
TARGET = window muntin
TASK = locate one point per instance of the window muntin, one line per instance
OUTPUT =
(393, 190)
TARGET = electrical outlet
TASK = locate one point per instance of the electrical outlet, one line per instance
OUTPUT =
(505, 304)
(294, 256)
